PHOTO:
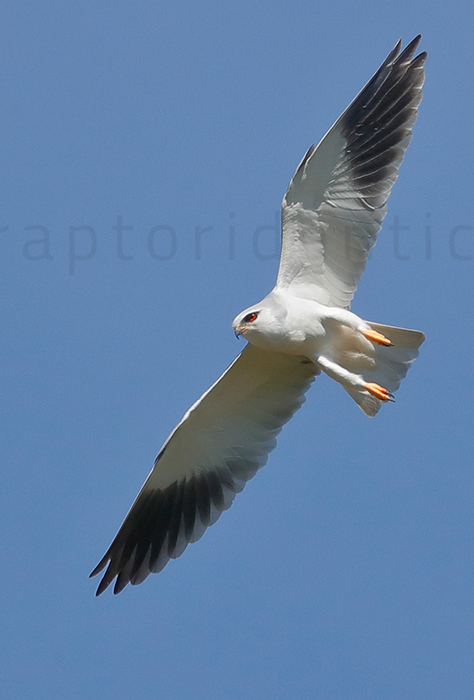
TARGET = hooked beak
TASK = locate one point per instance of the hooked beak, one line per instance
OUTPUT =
(238, 330)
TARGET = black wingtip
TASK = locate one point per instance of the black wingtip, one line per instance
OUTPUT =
(104, 582)
(396, 48)
(103, 585)
(409, 50)
(396, 57)
(99, 567)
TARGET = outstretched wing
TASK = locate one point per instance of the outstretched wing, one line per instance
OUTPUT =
(216, 448)
(336, 200)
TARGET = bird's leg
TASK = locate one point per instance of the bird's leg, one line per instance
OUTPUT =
(347, 318)
(340, 374)
(376, 337)
(351, 380)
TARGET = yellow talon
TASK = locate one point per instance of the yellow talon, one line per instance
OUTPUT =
(376, 337)
(379, 392)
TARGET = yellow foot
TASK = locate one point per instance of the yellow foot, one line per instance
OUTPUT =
(376, 337)
(379, 392)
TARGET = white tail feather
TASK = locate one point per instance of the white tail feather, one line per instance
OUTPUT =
(392, 364)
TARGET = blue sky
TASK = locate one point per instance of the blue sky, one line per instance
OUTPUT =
(345, 568)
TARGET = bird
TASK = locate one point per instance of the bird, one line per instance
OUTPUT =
(331, 214)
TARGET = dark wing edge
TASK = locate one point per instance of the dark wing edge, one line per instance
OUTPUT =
(336, 201)
(378, 124)
(163, 521)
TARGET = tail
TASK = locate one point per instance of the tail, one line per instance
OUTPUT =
(391, 364)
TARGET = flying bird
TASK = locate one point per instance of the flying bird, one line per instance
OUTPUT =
(331, 215)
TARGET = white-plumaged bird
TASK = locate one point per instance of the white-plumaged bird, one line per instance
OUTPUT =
(331, 214)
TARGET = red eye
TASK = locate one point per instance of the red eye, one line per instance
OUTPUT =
(250, 317)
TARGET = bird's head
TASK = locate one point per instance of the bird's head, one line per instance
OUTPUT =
(261, 324)
(247, 323)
